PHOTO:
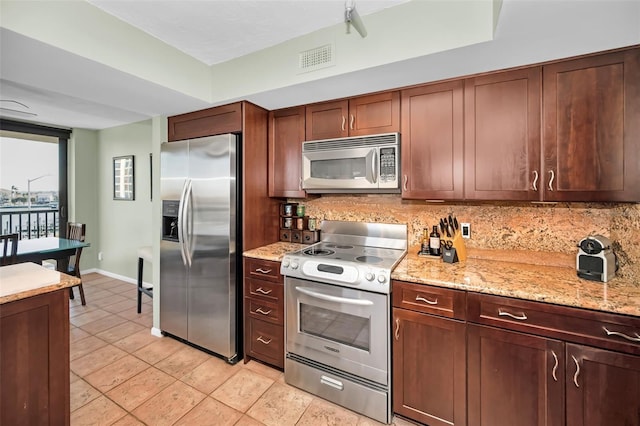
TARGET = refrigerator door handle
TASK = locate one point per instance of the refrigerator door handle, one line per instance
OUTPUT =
(188, 249)
(181, 207)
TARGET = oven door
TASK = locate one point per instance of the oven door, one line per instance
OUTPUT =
(338, 326)
(349, 168)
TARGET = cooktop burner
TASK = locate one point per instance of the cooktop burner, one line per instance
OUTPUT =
(339, 246)
(318, 252)
(369, 259)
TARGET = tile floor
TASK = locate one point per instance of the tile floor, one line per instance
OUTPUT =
(122, 375)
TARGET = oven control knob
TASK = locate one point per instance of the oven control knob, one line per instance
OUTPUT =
(294, 265)
(285, 263)
(369, 276)
(381, 279)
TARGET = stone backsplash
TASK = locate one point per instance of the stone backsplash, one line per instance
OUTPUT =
(547, 228)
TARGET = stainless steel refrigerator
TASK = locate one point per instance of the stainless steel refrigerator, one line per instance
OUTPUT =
(200, 243)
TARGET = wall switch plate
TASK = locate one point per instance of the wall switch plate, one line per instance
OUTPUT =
(100, 257)
(465, 230)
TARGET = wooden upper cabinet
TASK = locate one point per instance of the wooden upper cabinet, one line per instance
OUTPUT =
(364, 115)
(592, 128)
(502, 136)
(432, 141)
(286, 133)
(207, 122)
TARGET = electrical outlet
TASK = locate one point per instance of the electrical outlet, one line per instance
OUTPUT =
(100, 256)
(465, 230)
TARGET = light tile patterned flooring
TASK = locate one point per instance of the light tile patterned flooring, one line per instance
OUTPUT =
(122, 375)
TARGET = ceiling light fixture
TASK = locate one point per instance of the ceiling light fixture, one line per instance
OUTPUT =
(352, 19)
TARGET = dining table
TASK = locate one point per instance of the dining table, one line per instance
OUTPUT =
(39, 249)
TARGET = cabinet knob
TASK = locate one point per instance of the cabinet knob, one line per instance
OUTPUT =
(577, 373)
(404, 184)
(351, 122)
(555, 366)
(344, 122)
(551, 178)
(535, 180)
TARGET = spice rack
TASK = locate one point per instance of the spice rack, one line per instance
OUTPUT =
(294, 228)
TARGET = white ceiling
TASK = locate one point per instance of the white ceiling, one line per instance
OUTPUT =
(67, 90)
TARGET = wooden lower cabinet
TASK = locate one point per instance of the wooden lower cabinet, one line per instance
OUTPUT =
(263, 312)
(429, 365)
(514, 378)
(603, 387)
(34, 360)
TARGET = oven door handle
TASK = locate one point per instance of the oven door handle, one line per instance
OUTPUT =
(336, 299)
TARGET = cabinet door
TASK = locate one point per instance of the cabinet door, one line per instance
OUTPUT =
(429, 366)
(603, 387)
(592, 128)
(432, 142)
(327, 120)
(207, 122)
(514, 378)
(374, 114)
(286, 133)
(502, 136)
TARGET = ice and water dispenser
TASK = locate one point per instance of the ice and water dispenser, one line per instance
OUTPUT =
(170, 220)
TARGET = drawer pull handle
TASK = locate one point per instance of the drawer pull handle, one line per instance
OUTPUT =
(260, 339)
(575, 376)
(331, 382)
(624, 336)
(535, 180)
(261, 290)
(344, 120)
(263, 271)
(520, 317)
(397, 332)
(555, 367)
(553, 176)
(260, 311)
(430, 302)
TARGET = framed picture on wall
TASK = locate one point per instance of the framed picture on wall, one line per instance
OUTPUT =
(123, 178)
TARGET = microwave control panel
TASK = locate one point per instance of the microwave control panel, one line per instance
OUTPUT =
(388, 164)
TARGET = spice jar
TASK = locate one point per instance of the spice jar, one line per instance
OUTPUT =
(300, 210)
(311, 224)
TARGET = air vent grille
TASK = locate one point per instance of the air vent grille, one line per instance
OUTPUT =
(313, 59)
(356, 142)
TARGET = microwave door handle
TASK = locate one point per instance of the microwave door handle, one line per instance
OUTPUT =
(336, 299)
(374, 166)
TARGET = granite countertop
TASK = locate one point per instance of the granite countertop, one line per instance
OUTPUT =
(274, 251)
(542, 277)
(24, 280)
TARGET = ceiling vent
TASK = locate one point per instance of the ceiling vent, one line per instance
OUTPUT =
(314, 59)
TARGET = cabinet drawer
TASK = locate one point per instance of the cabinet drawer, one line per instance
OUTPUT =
(601, 329)
(266, 311)
(433, 300)
(263, 269)
(265, 341)
(264, 290)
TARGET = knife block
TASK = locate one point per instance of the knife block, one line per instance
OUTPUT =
(458, 243)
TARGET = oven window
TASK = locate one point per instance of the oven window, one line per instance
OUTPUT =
(344, 168)
(343, 328)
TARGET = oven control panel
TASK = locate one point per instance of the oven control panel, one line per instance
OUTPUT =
(347, 274)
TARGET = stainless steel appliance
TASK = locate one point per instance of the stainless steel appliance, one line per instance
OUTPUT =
(357, 164)
(338, 301)
(596, 260)
(200, 245)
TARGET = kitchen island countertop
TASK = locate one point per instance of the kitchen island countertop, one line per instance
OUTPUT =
(534, 276)
(24, 280)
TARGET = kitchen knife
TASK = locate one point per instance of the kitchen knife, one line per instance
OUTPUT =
(455, 224)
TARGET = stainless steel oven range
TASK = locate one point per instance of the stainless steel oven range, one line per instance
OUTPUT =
(337, 297)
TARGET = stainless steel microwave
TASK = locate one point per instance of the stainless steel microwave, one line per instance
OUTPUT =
(356, 164)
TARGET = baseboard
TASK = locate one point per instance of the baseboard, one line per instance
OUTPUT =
(116, 276)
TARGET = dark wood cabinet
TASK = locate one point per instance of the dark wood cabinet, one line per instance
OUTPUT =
(263, 312)
(207, 122)
(432, 141)
(514, 378)
(592, 128)
(364, 115)
(286, 134)
(34, 360)
(603, 387)
(429, 357)
(502, 136)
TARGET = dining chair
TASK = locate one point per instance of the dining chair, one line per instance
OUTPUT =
(9, 249)
(76, 231)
